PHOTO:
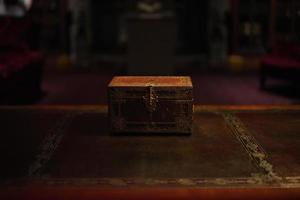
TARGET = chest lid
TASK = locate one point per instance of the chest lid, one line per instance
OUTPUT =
(160, 87)
(154, 81)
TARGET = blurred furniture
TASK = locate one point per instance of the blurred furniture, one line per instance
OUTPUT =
(20, 66)
(251, 26)
(282, 62)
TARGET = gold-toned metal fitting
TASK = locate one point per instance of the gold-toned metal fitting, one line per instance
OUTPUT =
(150, 99)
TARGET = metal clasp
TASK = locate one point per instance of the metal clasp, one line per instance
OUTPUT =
(150, 99)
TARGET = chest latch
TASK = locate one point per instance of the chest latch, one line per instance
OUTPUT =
(150, 99)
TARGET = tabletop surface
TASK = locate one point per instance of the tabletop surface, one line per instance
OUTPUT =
(241, 147)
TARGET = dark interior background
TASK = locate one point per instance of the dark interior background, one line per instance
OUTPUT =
(222, 44)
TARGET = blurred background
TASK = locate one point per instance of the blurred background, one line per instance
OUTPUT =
(66, 51)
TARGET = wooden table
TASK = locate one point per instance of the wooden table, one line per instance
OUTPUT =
(67, 152)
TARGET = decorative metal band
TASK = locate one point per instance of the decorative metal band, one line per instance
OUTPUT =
(253, 149)
(183, 122)
(50, 144)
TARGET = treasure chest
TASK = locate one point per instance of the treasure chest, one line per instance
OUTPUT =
(151, 104)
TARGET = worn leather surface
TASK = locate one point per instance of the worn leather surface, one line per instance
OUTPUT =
(211, 151)
(74, 147)
(279, 134)
(22, 131)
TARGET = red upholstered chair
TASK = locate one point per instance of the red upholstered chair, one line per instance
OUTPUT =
(282, 62)
(20, 67)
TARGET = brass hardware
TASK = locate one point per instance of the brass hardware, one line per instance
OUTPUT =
(183, 122)
(150, 99)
